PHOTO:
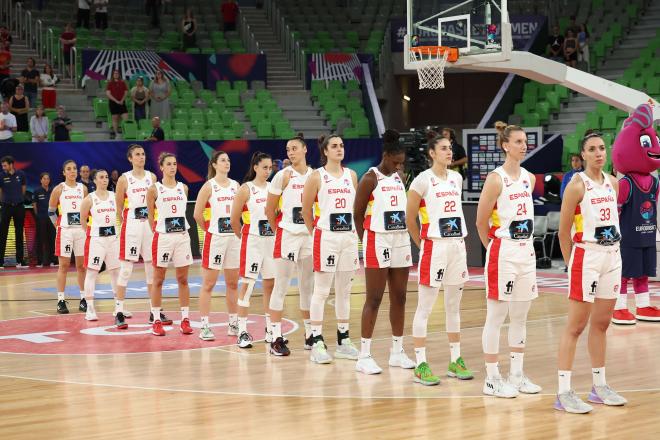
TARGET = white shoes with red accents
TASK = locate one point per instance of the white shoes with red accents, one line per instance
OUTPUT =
(650, 314)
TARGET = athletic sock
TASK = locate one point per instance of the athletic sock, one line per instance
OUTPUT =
(454, 350)
(316, 330)
(342, 327)
(90, 305)
(268, 323)
(492, 370)
(205, 321)
(621, 302)
(516, 367)
(156, 312)
(564, 377)
(60, 296)
(242, 324)
(82, 295)
(642, 300)
(365, 347)
(598, 375)
(420, 355)
(119, 306)
(185, 311)
(308, 327)
(233, 318)
(276, 328)
(397, 344)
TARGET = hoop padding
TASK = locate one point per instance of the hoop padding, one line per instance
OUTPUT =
(430, 62)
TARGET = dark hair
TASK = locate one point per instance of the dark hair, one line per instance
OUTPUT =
(452, 133)
(96, 171)
(589, 134)
(163, 156)
(323, 146)
(257, 157)
(504, 133)
(578, 156)
(67, 162)
(391, 144)
(132, 148)
(214, 159)
(431, 134)
(42, 175)
(433, 142)
(300, 138)
(8, 159)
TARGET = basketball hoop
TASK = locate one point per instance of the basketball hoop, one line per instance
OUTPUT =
(430, 61)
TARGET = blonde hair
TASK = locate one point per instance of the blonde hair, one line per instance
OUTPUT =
(504, 133)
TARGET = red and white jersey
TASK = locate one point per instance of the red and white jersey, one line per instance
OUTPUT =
(219, 207)
(596, 217)
(135, 199)
(513, 214)
(102, 216)
(171, 209)
(440, 210)
(333, 210)
(255, 221)
(386, 210)
(69, 204)
(290, 206)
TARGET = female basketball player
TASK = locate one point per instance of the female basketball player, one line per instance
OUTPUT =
(435, 195)
(171, 243)
(221, 247)
(102, 245)
(589, 237)
(67, 197)
(335, 246)
(257, 241)
(505, 223)
(380, 205)
(293, 244)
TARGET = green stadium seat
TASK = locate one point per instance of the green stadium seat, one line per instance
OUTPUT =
(212, 134)
(593, 120)
(240, 86)
(264, 129)
(229, 134)
(100, 108)
(179, 135)
(351, 133)
(76, 136)
(531, 119)
(22, 136)
(571, 143)
(222, 87)
(129, 130)
(362, 127)
(543, 109)
(609, 121)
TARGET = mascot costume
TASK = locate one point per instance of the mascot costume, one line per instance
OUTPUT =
(636, 154)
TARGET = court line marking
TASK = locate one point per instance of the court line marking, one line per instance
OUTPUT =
(39, 313)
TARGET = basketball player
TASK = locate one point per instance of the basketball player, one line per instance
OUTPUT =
(171, 242)
(435, 195)
(221, 247)
(136, 236)
(66, 198)
(102, 245)
(589, 237)
(330, 191)
(379, 211)
(257, 242)
(505, 223)
(293, 244)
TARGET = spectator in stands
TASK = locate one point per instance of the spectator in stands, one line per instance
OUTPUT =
(583, 44)
(39, 125)
(556, 44)
(160, 96)
(114, 178)
(5, 35)
(7, 123)
(101, 14)
(30, 81)
(83, 13)
(459, 158)
(68, 40)
(286, 163)
(86, 178)
(573, 26)
(19, 106)
(576, 167)
(5, 60)
(229, 11)
(139, 96)
(48, 79)
(157, 133)
(13, 185)
(45, 228)
(62, 126)
(153, 9)
(116, 92)
(189, 29)
(570, 49)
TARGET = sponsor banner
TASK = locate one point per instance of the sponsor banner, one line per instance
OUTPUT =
(336, 66)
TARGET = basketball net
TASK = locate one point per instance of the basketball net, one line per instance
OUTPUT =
(430, 65)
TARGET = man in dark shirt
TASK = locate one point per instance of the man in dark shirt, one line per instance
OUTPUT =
(86, 179)
(12, 193)
(30, 80)
(459, 158)
(61, 125)
(45, 229)
(556, 44)
(157, 133)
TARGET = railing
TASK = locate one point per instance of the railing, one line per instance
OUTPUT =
(245, 31)
(39, 38)
(292, 45)
(73, 59)
(384, 64)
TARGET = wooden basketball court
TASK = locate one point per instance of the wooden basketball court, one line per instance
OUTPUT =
(151, 388)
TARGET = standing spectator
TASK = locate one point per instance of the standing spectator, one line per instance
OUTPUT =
(189, 29)
(62, 126)
(114, 178)
(5, 35)
(139, 96)
(12, 193)
(86, 178)
(576, 167)
(570, 49)
(48, 79)
(157, 133)
(583, 44)
(39, 125)
(116, 92)
(30, 81)
(573, 26)
(7, 123)
(459, 158)
(19, 106)
(160, 96)
(83, 13)
(5, 60)
(45, 229)
(101, 14)
(556, 44)
(229, 11)
(68, 40)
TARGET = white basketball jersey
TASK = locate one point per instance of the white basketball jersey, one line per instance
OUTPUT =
(386, 210)
(219, 205)
(69, 205)
(103, 216)
(333, 210)
(596, 217)
(254, 212)
(171, 209)
(513, 215)
(440, 210)
(135, 199)
(291, 218)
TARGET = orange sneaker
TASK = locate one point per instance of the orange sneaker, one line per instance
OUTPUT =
(623, 317)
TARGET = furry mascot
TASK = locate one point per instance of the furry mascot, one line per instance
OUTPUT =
(636, 153)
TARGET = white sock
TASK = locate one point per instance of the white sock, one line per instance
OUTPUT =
(156, 312)
(365, 347)
(621, 302)
(233, 318)
(642, 300)
(397, 344)
(516, 367)
(205, 321)
(564, 377)
(420, 355)
(308, 327)
(90, 305)
(454, 350)
(242, 324)
(276, 329)
(119, 306)
(60, 296)
(185, 311)
(342, 327)
(268, 323)
(598, 375)
(492, 370)
(317, 330)
(82, 295)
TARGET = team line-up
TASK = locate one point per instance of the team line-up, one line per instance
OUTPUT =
(318, 216)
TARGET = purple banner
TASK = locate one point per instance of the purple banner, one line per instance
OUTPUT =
(336, 66)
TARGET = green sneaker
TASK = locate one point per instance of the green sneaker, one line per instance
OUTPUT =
(459, 370)
(206, 334)
(424, 375)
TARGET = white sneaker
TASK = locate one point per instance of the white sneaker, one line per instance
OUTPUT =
(22, 266)
(319, 354)
(571, 403)
(232, 329)
(367, 365)
(90, 315)
(347, 350)
(606, 396)
(401, 360)
(244, 340)
(523, 384)
(498, 387)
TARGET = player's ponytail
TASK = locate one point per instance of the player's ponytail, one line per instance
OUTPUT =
(504, 133)
(257, 157)
(214, 159)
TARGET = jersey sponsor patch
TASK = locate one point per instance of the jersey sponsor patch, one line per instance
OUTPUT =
(607, 235)
(450, 227)
(175, 224)
(521, 229)
(224, 225)
(141, 213)
(394, 220)
(341, 222)
(264, 229)
(73, 218)
(107, 231)
(296, 215)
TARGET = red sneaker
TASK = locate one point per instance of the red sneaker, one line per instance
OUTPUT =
(648, 314)
(623, 317)
(157, 328)
(186, 329)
